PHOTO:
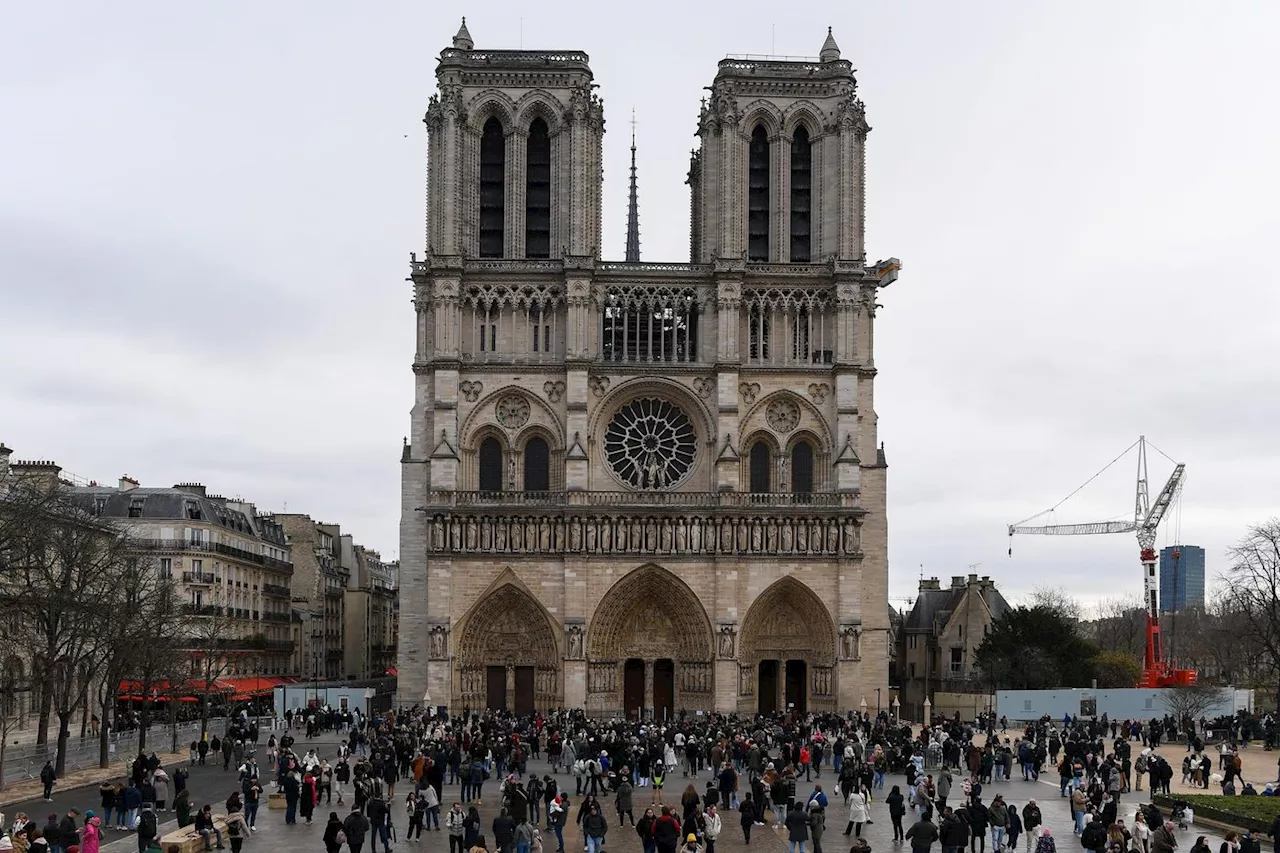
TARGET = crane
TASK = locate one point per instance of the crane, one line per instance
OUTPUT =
(1147, 514)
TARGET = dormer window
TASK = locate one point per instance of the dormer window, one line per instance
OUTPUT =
(193, 511)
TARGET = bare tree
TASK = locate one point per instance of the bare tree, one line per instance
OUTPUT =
(1254, 578)
(1121, 626)
(1193, 702)
(1058, 600)
(211, 640)
(13, 684)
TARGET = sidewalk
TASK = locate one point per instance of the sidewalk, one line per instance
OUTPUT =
(18, 792)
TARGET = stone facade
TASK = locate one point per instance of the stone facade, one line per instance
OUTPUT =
(643, 486)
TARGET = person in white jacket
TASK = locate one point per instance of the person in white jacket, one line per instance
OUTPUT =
(711, 818)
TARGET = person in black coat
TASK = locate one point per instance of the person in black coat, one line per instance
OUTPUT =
(897, 808)
(356, 827)
(978, 823)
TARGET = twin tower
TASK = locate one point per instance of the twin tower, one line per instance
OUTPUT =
(515, 158)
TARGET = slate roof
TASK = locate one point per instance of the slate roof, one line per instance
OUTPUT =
(174, 505)
(935, 606)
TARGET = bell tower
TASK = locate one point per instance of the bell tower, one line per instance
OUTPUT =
(514, 154)
(779, 176)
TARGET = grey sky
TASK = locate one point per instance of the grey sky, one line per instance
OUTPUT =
(206, 212)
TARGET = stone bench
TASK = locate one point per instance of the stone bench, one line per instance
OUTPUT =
(190, 841)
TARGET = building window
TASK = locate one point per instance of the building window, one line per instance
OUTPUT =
(802, 468)
(911, 641)
(758, 195)
(537, 465)
(490, 465)
(957, 661)
(801, 194)
(537, 228)
(493, 168)
(135, 507)
(911, 670)
(650, 324)
(489, 330)
(759, 467)
(166, 567)
(758, 323)
(540, 330)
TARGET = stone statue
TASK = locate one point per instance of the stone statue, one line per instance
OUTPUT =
(437, 643)
(575, 643)
(849, 643)
(726, 641)
(745, 679)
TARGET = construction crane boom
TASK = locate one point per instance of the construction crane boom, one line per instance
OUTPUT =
(1147, 516)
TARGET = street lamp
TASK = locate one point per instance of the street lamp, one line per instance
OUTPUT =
(896, 705)
(877, 703)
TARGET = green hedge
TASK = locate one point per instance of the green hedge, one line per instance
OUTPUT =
(1252, 813)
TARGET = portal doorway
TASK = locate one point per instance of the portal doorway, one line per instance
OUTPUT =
(633, 688)
(664, 689)
(524, 703)
(767, 687)
(495, 688)
(797, 676)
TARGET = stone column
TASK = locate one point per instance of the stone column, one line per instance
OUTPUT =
(649, 703)
(511, 687)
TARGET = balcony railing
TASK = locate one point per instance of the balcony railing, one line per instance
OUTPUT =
(198, 577)
(675, 500)
(275, 589)
(201, 609)
(280, 645)
(275, 617)
(240, 554)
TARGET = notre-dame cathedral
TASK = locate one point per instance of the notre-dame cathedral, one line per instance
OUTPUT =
(634, 486)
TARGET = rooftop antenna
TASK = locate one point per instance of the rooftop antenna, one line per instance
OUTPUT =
(522, 32)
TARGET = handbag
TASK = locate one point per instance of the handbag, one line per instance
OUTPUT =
(340, 838)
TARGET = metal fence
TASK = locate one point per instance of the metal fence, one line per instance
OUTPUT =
(23, 762)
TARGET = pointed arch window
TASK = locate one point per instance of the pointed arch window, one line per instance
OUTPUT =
(758, 195)
(537, 465)
(760, 469)
(493, 168)
(802, 468)
(537, 233)
(490, 465)
(801, 194)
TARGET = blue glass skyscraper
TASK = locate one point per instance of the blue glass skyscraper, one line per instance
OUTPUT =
(1181, 579)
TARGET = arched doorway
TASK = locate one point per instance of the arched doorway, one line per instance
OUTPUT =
(649, 625)
(790, 640)
(507, 654)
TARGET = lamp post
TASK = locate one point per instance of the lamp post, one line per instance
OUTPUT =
(896, 705)
(877, 702)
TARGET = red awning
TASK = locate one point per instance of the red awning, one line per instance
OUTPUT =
(391, 670)
(249, 686)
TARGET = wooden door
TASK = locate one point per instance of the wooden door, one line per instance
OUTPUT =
(496, 688)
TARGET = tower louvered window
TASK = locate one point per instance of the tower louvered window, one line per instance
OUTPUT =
(493, 167)
(758, 195)
(801, 195)
(537, 233)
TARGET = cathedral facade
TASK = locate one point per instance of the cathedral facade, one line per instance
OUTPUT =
(631, 486)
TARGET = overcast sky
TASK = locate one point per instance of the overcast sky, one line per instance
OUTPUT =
(206, 212)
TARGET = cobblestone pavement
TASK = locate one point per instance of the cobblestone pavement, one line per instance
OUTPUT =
(273, 835)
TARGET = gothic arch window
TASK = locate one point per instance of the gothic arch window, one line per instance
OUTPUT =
(537, 233)
(758, 331)
(537, 465)
(490, 465)
(760, 469)
(493, 168)
(801, 194)
(802, 468)
(649, 324)
(758, 195)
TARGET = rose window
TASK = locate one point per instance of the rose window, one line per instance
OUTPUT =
(650, 444)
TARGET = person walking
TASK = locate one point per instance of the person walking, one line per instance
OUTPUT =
(897, 810)
(922, 834)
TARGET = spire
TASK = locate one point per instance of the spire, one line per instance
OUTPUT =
(462, 41)
(830, 50)
(633, 204)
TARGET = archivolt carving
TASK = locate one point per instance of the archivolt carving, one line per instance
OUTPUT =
(488, 295)
(811, 420)
(649, 614)
(491, 102)
(788, 620)
(790, 299)
(508, 628)
(488, 413)
(802, 112)
(537, 104)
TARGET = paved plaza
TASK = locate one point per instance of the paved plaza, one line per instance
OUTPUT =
(273, 835)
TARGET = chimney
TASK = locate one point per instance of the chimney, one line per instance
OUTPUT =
(927, 584)
(957, 581)
(41, 472)
(973, 578)
(190, 488)
(128, 484)
(5, 453)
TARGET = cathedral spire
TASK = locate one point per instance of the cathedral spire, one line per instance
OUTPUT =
(633, 204)
(830, 50)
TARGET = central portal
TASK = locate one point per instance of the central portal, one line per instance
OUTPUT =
(633, 688)
(797, 674)
(664, 688)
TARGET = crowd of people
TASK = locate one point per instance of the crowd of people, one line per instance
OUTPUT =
(769, 770)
